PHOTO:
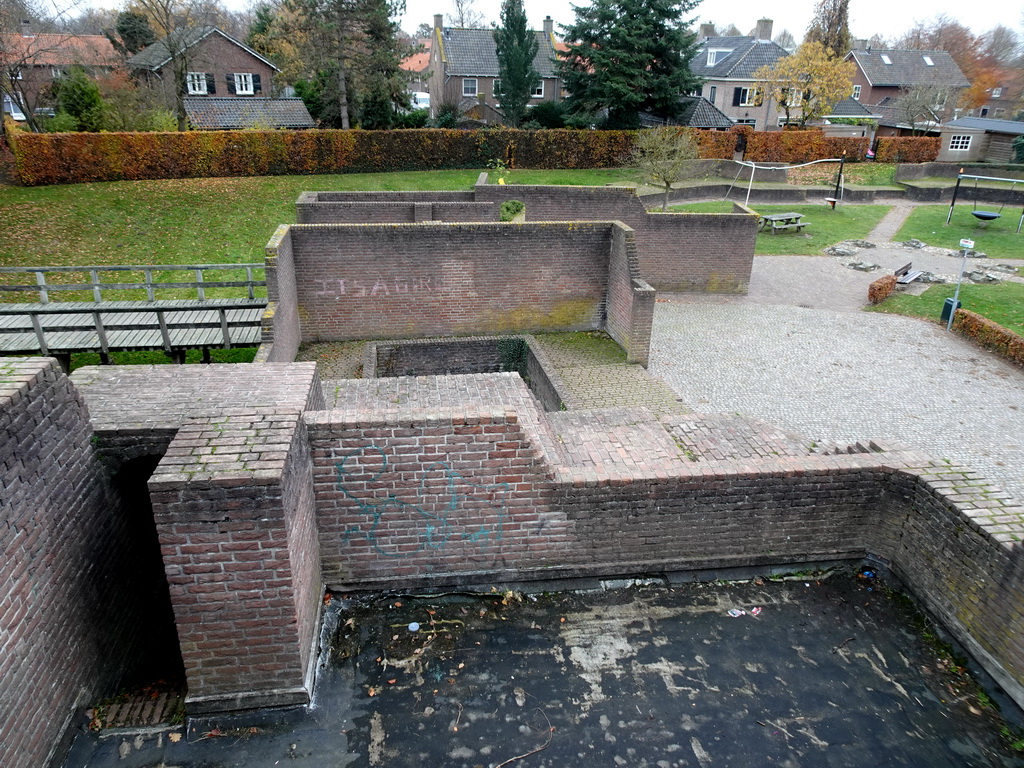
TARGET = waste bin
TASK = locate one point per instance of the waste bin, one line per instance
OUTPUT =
(948, 309)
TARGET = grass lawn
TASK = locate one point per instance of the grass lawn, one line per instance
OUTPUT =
(194, 221)
(998, 238)
(846, 222)
(1003, 303)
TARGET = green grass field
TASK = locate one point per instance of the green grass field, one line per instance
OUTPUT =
(998, 238)
(194, 221)
(846, 222)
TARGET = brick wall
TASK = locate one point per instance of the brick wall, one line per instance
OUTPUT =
(397, 212)
(232, 499)
(282, 333)
(68, 561)
(630, 304)
(707, 252)
(395, 281)
(677, 252)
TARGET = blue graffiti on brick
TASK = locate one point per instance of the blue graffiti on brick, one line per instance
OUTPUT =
(389, 519)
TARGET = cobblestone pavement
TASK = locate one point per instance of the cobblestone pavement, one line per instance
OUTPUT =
(839, 376)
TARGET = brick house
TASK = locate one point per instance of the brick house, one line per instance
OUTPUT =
(727, 66)
(216, 65)
(1005, 99)
(29, 63)
(882, 76)
(464, 68)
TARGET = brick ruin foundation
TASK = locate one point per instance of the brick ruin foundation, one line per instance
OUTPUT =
(265, 491)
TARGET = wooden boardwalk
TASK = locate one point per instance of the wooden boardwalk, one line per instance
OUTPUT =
(68, 327)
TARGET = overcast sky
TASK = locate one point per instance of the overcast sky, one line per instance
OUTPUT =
(866, 16)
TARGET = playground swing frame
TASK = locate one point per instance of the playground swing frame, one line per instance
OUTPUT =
(982, 215)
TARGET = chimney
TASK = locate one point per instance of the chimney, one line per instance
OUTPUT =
(549, 26)
(860, 45)
(764, 29)
(438, 20)
(26, 28)
(706, 31)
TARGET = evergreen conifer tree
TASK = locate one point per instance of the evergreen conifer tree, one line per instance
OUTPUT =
(516, 48)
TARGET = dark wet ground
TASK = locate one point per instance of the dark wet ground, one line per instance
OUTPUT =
(832, 671)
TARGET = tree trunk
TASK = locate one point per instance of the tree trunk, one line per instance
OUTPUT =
(664, 200)
(343, 93)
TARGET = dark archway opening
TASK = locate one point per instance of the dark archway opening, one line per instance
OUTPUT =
(156, 662)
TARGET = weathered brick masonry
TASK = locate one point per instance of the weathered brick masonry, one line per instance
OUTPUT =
(399, 281)
(67, 577)
(258, 504)
(675, 252)
(360, 208)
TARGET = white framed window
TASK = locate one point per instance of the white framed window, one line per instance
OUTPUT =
(997, 93)
(959, 143)
(999, 112)
(243, 84)
(196, 83)
(713, 93)
(856, 93)
(469, 86)
(56, 73)
(928, 61)
(14, 74)
(886, 59)
(716, 55)
(748, 97)
(746, 121)
(538, 90)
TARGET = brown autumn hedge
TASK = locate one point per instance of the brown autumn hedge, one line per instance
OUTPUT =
(881, 289)
(990, 335)
(63, 158)
(907, 149)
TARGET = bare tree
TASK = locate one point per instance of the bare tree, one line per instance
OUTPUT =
(663, 156)
(31, 42)
(925, 106)
(466, 16)
(786, 40)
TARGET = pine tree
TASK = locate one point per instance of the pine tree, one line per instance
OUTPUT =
(516, 48)
(627, 57)
(381, 81)
(134, 33)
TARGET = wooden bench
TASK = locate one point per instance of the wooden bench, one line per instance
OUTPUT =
(906, 274)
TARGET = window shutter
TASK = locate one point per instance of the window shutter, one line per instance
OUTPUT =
(231, 84)
(211, 84)
(736, 96)
(256, 86)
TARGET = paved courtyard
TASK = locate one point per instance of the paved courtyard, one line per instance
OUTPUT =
(831, 373)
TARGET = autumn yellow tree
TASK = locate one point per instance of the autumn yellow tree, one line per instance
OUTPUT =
(807, 84)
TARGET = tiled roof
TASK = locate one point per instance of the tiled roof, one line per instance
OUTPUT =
(851, 108)
(52, 50)
(156, 55)
(907, 68)
(1014, 127)
(696, 112)
(231, 113)
(419, 61)
(738, 58)
(472, 52)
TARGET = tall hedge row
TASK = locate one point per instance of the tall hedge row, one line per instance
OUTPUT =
(63, 158)
(907, 149)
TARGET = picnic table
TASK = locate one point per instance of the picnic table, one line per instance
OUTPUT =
(777, 222)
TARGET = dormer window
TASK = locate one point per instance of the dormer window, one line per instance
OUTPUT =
(886, 59)
(716, 55)
(928, 61)
(997, 93)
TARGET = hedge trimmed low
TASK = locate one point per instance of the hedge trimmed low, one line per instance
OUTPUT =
(989, 335)
(63, 158)
(907, 149)
(881, 289)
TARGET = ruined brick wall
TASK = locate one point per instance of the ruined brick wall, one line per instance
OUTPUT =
(399, 500)
(360, 212)
(957, 543)
(712, 253)
(630, 303)
(65, 577)
(232, 499)
(557, 203)
(282, 333)
(398, 281)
